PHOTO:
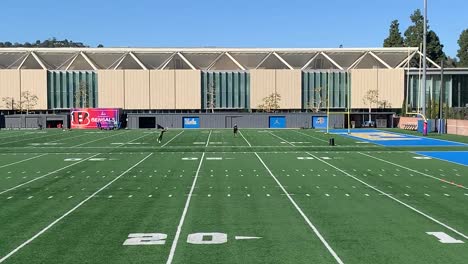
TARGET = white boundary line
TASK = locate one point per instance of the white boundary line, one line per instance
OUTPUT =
(432, 157)
(393, 198)
(173, 138)
(35, 157)
(71, 211)
(45, 175)
(99, 139)
(317, 233)
(244, 138)
(184, 213)
(323, 140)
(415, 171)
(271, 133)
(208, 141)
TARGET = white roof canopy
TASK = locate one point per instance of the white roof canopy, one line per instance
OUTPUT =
(207, 59)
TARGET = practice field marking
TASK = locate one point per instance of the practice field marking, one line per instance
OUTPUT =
(85, 143)
(444, 238)
(9, 164)
(317, 233)
(45, 175)
(271, 133)
(245, 138)
(3, 259)
(208, 141)
(393, 198)
(422, 158)
(184, 212)
(172, 138)
(422, 173)
(323, 140)
(200, 238)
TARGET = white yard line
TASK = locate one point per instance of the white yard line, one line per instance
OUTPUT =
(415, 171)
(323, 140)
(45, 175)
(79, 145)
(69, 212)
(172, 138)
(271, 133)
(184, 213)
(316, 231)
(208, 141)
(244, 138)
(35, 157)
(393, 198)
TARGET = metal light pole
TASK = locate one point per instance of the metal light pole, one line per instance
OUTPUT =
(423, 95)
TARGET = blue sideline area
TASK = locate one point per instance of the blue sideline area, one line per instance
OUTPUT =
(458, 157)
(392, 139)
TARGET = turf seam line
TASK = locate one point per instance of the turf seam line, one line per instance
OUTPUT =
(85, 143)
(134, 140)
(317, 233)
(45, 175)
(271, 133)
(184, 213)
(393, 198)
(244, 138)
(32, 138)
(422, 173)
(70, 211)
(172, 138)
(208, 141)
(35, 157)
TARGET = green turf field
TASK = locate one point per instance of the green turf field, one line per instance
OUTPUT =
(204, 196)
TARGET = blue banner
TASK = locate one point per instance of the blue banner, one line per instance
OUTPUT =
(319, 122)
(277, 122)
(191, 122)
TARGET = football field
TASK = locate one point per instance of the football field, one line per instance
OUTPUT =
(205, 196)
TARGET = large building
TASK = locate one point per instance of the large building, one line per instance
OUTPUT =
(152, 80)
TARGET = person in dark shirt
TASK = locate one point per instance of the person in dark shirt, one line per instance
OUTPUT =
(161, 133)
(236, 129)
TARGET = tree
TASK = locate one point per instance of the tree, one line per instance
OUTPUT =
(9, 103)
(81, 95)
(211, 94)
(414, 37)
(316, 104)
(394, 38)
(435, 48)
(403, 108)
(463, 51)
(371, 98)
(28, 101)
(100, 46)
(271, 103)
(384, 104)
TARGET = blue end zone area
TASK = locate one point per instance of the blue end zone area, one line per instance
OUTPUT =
(392, 139)
(459, 157)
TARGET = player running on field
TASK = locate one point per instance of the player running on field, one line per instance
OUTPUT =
(236, 129)
(163, 130)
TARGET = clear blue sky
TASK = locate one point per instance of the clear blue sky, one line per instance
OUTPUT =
(224, 23)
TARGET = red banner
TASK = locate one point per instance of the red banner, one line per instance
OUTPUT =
(92, 118)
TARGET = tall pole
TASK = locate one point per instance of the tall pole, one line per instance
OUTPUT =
(441, 96)
(423, 92)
